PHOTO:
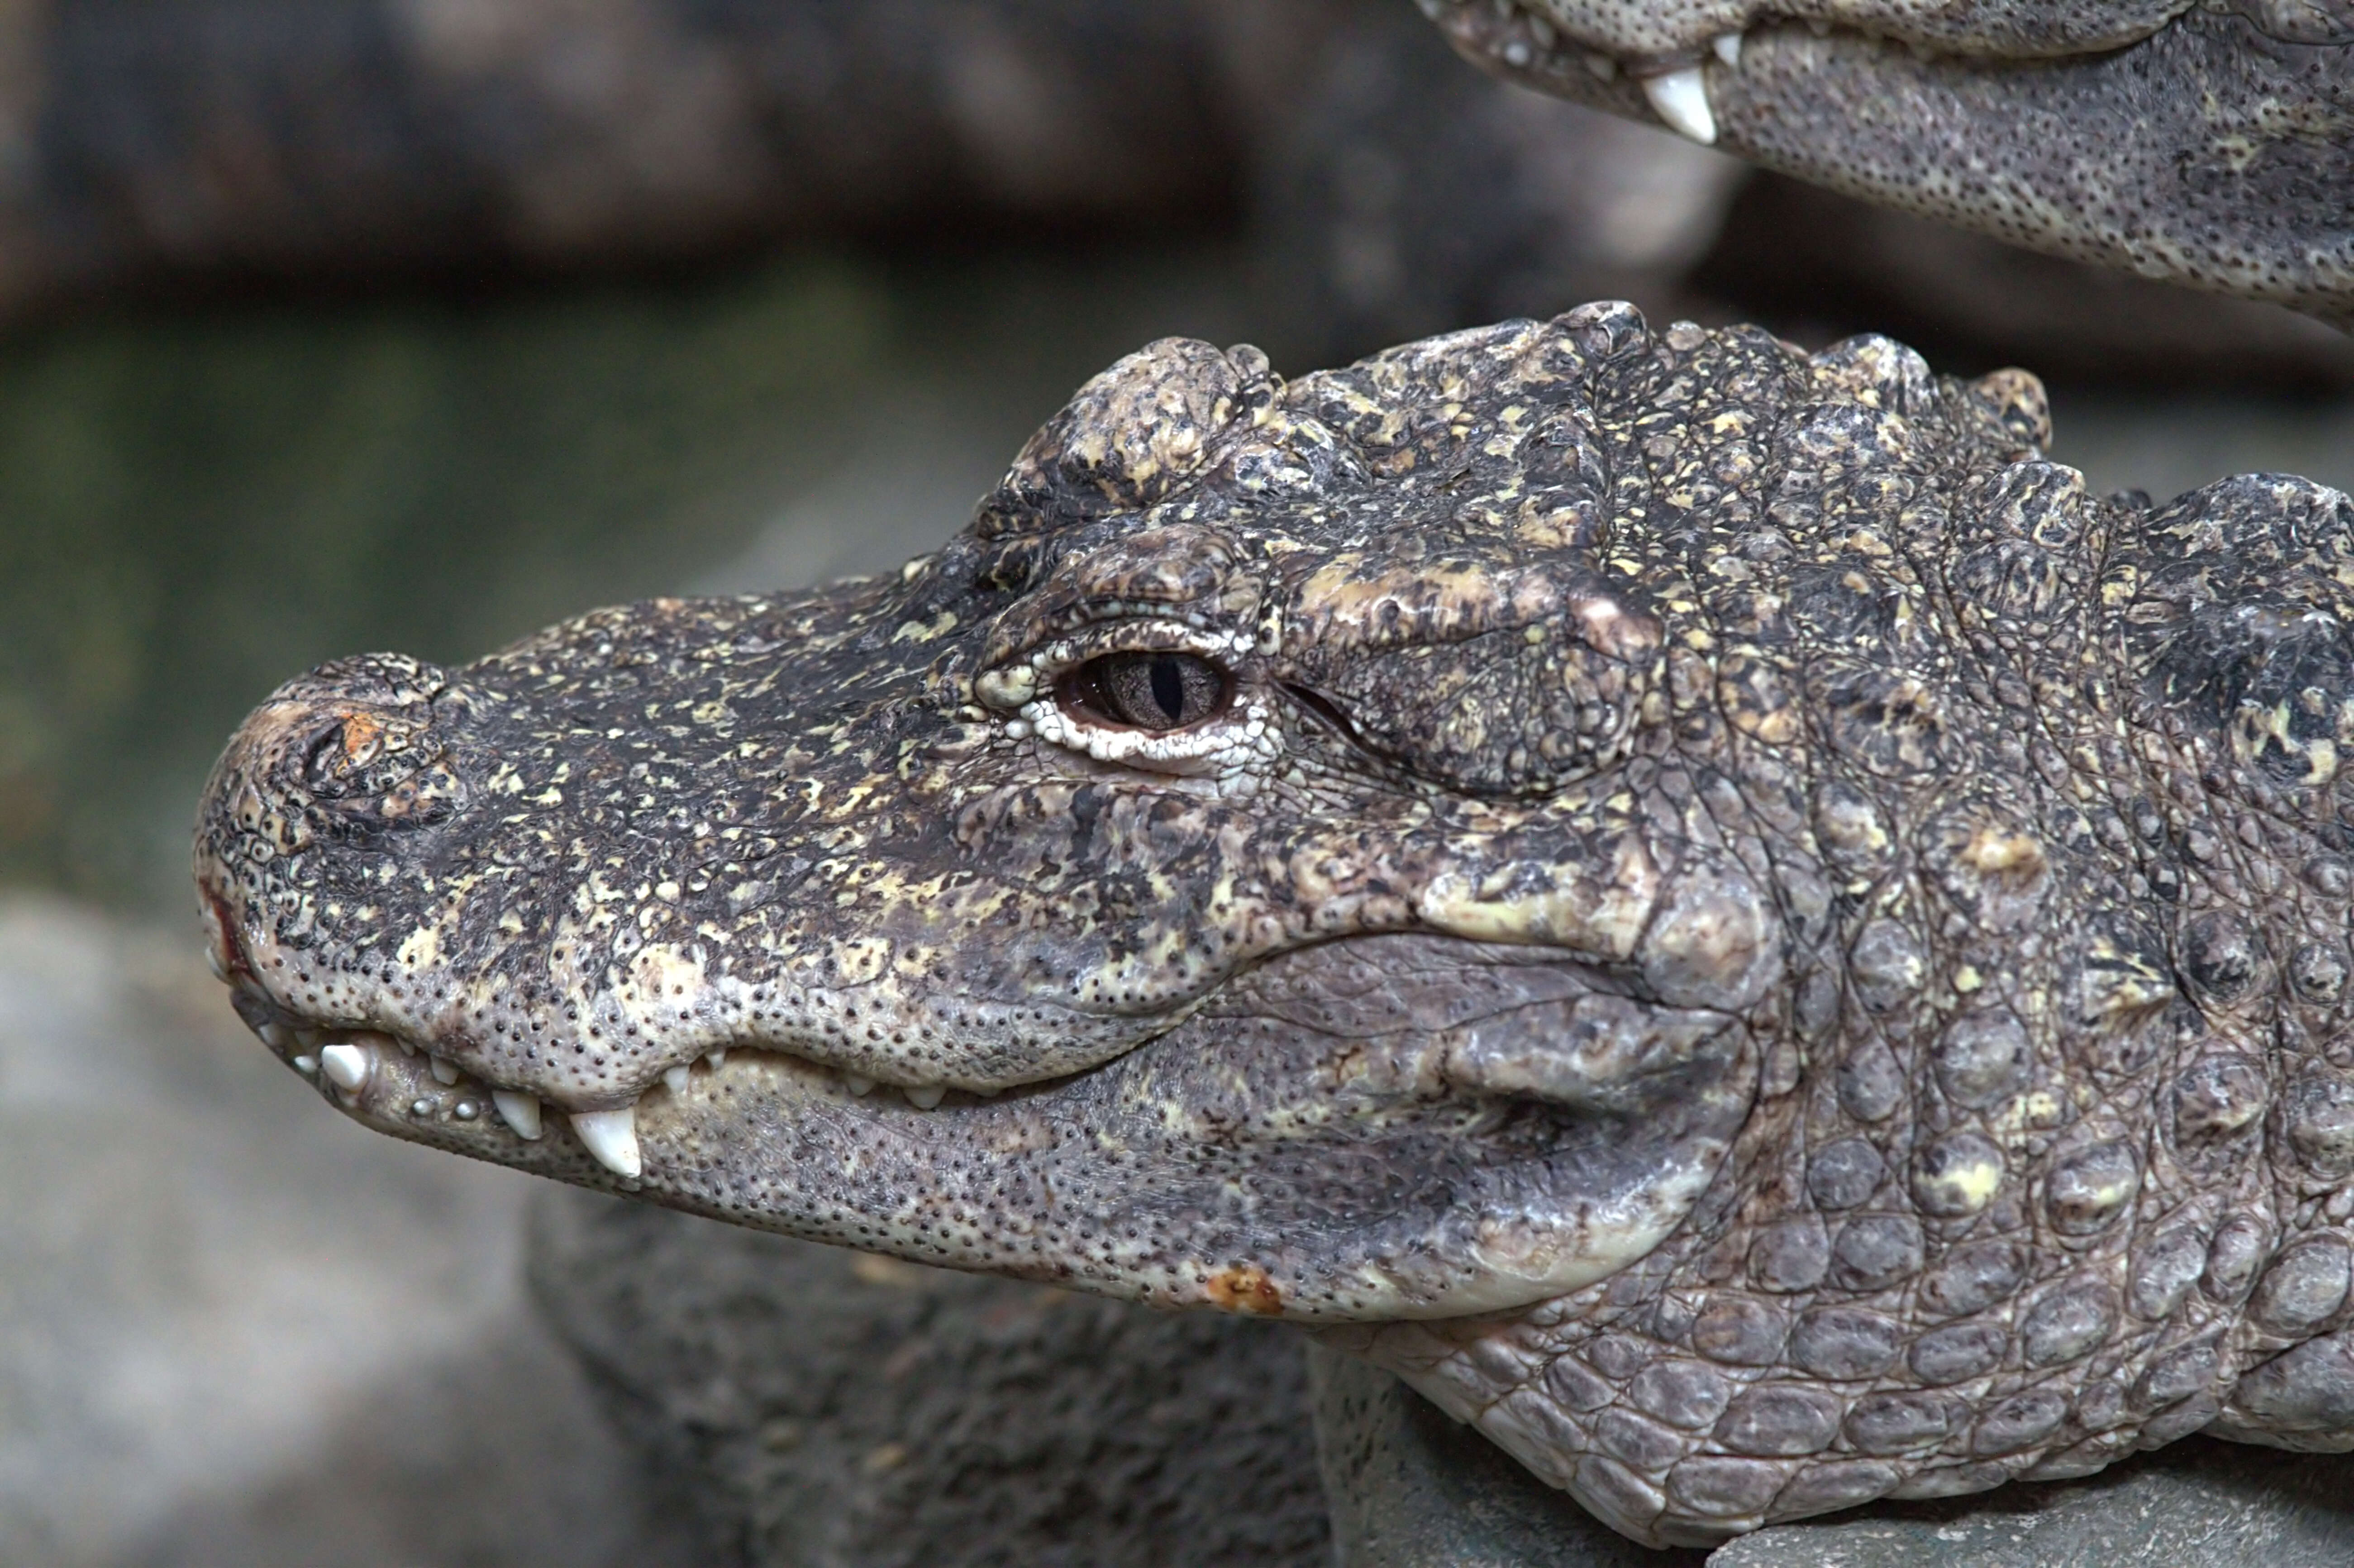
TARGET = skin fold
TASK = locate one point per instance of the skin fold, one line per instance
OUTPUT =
(2211, 145)
(1705, 905)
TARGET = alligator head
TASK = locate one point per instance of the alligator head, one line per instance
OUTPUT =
(2208, 143)
(1703, 903)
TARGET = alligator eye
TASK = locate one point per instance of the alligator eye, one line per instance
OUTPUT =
(1147, 691)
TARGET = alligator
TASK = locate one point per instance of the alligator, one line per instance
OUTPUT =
(1704, 904)
(2208, 142)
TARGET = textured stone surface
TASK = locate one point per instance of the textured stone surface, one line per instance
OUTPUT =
(1411, 1489)
(229, 1342)
(2200, 1504)
(197, 139)
(806, 1406)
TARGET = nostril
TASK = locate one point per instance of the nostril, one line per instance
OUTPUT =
(343, 760)
(358, 744)
(325, 761)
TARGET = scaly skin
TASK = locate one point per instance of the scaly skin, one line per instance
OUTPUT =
(2210, 144)
(1738, 928)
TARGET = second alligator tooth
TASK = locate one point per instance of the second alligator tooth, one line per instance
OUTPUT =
(445, 1070)
(346, 1067)
(1728, 48)
(611, 1137)
(519, 1111)
(1681, 97)
(924, 1097)
(862, 1087)
(675, 1080)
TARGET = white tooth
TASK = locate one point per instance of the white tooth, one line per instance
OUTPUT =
(611, 1137)
(924, 1097)
(306, 1063)
(214, 962)
(445, 1070)
(1728, 48)
(519, 1111)
(1602, 66)
(1681, 97)
(310, 1036)
(858, 1086)
(346, 1067)
(717, 1056)
(277, 1036)
(675, 1079)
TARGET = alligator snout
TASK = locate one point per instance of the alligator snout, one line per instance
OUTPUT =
(350, 755)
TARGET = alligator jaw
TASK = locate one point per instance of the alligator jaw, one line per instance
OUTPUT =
(2204, 152)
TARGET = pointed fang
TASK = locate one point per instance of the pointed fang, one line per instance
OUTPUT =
(611, 1137)
(445, 1070)
(858, 1086)
(346, 1067)
(924, 1097)
(1728, 49)
(519, 1111)
(675, 1079)
(1681, 97)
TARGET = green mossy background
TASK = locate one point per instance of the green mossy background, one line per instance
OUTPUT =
(196, 506)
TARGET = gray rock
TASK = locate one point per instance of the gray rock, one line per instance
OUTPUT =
(808, 1405)
(1410, 1489)
(204, 140)
(2199, 1504)
(228, 1340)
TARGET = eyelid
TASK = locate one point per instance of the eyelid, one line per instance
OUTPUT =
(1033, 673)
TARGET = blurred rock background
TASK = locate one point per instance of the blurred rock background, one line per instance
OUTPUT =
(337, 325)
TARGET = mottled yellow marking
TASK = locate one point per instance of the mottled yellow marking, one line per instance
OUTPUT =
(862, 961)
(925, 631)
(1584, 913)
(664, 977)
(1969, 1188)
(1967, 979)
(1994, 852)
(422, 947)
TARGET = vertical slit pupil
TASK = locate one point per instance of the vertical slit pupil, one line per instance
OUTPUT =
(1168, 687)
